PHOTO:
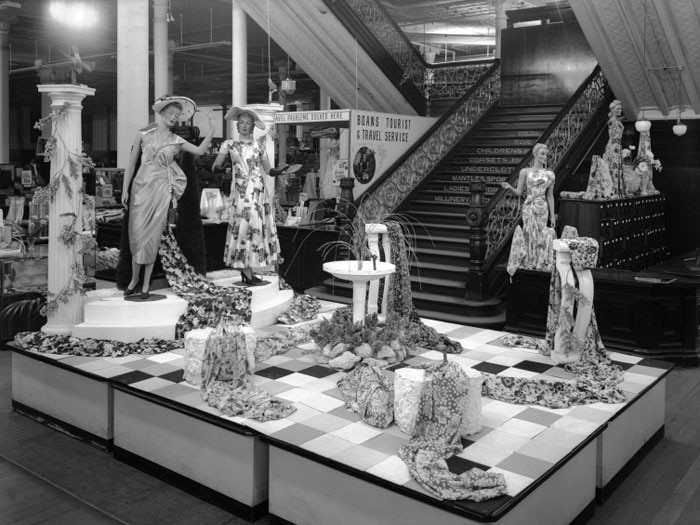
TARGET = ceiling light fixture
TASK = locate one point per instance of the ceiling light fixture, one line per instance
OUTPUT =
(679, 128)
(168, 14)
(81, 15)
(289, 86)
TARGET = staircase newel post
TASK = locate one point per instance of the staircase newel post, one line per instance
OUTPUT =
(477, 218)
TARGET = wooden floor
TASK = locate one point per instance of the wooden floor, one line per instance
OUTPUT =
(25, 499)
(664, 488)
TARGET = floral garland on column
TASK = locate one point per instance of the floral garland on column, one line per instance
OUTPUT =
(69, 236)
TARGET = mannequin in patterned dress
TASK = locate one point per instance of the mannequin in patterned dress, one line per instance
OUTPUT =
(613, 149)
(531, 247)
(251, 241)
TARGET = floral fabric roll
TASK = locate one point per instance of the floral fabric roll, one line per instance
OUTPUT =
(195, 346)
(408, 383)
(471, 408)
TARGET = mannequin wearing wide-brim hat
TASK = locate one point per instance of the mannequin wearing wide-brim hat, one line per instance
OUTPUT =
(251, 240)
(150, 192)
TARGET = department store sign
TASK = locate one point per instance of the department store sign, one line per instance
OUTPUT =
(313, 117)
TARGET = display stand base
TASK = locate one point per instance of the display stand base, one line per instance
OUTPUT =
(322, 464)
(50, 390)
(304, 490)
(111, 316)
(224, 464)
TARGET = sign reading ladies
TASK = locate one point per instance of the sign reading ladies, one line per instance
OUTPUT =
(377, 140)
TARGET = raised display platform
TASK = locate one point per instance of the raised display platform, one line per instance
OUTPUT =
(109, 315)
(324, 465)
(55, 390)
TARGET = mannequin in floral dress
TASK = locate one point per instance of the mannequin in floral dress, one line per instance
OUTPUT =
(531, 247)
(613, 149)
(251, 241)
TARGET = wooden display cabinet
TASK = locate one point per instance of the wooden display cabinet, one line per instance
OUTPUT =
(631, 233)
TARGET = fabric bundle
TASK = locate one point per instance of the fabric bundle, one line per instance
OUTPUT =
(597, 379)
(400, 297)
(208, 304)
(471, 409)
(408, 384)
(195, 348)
(369, 393)
(229, 361)
(436, 437)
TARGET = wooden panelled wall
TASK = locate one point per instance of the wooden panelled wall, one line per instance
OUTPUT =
(679, 179)
(544, 64)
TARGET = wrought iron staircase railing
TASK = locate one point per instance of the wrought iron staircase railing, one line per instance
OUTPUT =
(402, 178)
(504, 208)
(384, 40)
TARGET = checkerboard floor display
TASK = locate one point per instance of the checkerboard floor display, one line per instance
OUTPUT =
(522, 442)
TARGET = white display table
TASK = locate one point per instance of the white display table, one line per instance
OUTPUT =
(323, 465)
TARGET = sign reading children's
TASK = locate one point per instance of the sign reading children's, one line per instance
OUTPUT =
(377, 140)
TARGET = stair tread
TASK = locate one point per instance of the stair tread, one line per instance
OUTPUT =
(437, 281)
(494, 322)
(437, 251)
(437, 225)
(433, 202)
(441, 298)
(426, 237)
(439, 214)
(419, 265)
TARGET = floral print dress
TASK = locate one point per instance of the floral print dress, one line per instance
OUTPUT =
(251, 241)
(531, 248)
(613, 156)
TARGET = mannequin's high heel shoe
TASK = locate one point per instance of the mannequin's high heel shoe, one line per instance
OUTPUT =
(129, 291)
(249, 278)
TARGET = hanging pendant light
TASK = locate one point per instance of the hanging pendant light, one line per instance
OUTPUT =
(679, 128)
(289, 86)
(643, 124)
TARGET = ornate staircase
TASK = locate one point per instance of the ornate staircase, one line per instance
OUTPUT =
(437, 211)
(435, 214)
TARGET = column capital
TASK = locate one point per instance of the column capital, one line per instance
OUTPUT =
(62, 93)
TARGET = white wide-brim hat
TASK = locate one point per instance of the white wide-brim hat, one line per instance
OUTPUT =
(188, 105)
(235, 112)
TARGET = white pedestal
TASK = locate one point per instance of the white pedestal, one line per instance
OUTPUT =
(109, 316)
(113, 318)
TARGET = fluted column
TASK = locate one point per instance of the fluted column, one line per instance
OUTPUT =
(66, 203)
(160, 48)
(5, 23)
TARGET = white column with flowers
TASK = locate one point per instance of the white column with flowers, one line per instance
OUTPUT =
(64, 300)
